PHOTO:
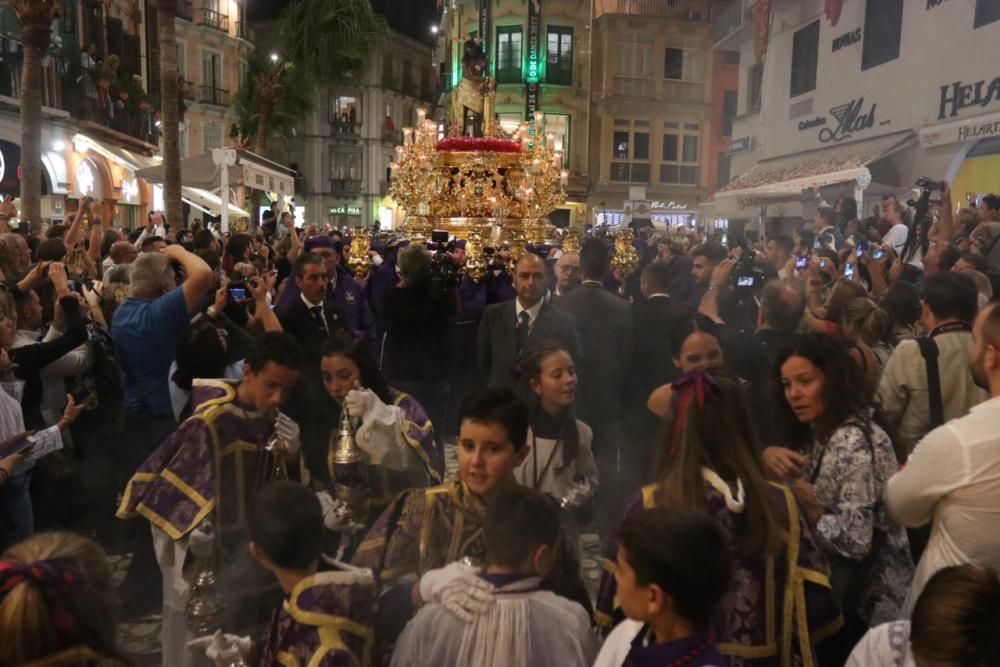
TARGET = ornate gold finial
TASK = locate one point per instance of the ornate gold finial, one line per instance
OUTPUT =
(626, 259)
(360, 262)
(571, 242)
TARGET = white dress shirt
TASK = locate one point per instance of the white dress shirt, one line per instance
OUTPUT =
(532, 312)
(953, 480)
(310, 305)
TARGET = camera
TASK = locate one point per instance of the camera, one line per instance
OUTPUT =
(238, 292)
(929, 184)
(849, 271)
(445, 272)
(802, 262)
(878, 252)
(746, 274)
(862, 248)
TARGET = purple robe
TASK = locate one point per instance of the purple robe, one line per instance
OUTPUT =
(209, 469)
(326, 621)
(499, 285)
(696, 651)
(77, 656)
(778, 606)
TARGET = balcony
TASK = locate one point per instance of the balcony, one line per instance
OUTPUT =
(214, 20)
(345, 186)
(345, 128)
(683, 91)
(738, 15)
(212, 95)
(185, 10)
(392, 137)
(683, 10)
(243, 31)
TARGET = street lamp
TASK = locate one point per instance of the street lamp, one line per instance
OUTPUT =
(434, 30)
(274, 57)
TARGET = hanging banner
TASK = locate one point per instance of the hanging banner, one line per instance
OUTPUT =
(534, 54)
(484, 25)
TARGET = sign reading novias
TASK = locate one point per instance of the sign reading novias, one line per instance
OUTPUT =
(957, 96)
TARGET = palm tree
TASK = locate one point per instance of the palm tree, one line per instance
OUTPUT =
(166, 12)
(322, 41)
(36, 17)
(266, 107)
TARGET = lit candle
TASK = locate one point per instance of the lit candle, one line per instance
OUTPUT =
(539, 117)
(421, 115)
(399, 151)
(407, 136)
(524, 143)
(564, 176)
(559, 145)
(550, 138)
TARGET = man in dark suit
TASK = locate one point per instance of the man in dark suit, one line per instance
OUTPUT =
(605, 325)
(653, 319)
(507, 329)
(311, 318)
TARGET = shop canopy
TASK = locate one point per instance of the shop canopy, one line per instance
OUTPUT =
(783, 179)
(250, 170)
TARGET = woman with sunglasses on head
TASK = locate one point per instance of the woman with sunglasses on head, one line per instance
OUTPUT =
(779, 602)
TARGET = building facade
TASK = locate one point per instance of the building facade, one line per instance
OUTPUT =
(101, 99)
(348, 136)
(860, 102)
(539, 55)
(654, 136)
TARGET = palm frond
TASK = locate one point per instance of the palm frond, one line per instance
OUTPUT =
(291, 100)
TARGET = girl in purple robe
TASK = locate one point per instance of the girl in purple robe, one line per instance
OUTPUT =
(779, 601)
(392, 427)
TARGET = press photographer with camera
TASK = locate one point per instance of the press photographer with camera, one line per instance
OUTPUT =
(417, 312)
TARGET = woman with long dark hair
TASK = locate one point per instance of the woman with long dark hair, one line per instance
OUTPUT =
(560, 462)
(392, 427)
(839, 477)
(779, 601)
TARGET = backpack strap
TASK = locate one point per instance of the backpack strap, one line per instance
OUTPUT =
(929, 351)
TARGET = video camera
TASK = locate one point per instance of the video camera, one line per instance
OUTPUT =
(746, 276)
(445, 272)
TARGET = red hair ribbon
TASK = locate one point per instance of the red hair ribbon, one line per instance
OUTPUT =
(686, 387)
(53, 578)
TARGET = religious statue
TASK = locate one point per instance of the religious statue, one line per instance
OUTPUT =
(467, 99)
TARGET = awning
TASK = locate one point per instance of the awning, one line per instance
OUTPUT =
(122, 156)
(783, 179)
(250, 170)
(209, 202)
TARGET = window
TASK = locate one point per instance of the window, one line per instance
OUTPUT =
(680, 158)
(987, 11)
(883, 30)
(558, 124)
(673, 67)
(407, 76)
(559, 56)
(211, 69)
(509, 54)
(805, 54)
(211, 136)
(728, 112)
(182, 140)
(630, 151)
(755, 80)
(182, 69)
(684, 64)
(722, 175)
(634, 66)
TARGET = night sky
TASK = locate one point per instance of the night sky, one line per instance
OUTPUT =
(410, 17)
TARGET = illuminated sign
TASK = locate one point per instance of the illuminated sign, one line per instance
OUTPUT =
(534, 61)
(668, 205)
(130, 189)
(345, 210)
(85, 179)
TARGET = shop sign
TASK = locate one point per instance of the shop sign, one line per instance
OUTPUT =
(345, 210)
(846, 39)
(851, 118)
(85, 179)
(738, 145)
(668, 206)
(130, 190)
(534, 60)
(983, 127)
(484, 23)
(957, 96)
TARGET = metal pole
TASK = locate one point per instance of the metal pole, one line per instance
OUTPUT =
(225, 158)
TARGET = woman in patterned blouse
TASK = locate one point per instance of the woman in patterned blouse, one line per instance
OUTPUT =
(839, 476)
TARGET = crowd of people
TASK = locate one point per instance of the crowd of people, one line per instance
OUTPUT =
(787, 446)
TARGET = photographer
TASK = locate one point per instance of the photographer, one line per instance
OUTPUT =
(416, 311)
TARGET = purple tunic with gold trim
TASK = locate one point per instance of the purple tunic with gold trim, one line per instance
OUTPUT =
(209, 469)
(325, 622)
(778, 606)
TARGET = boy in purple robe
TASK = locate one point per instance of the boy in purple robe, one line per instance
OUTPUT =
(210, 469)
(673, 568)
(325, 618)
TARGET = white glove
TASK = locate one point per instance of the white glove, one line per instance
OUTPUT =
(459, 589)
(222, 646)
(577, 495)
(359, 402)
(288, 431)
(335, 515)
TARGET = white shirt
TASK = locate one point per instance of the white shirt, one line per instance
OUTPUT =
(896, 237)
(558, 477)
(310, 305)
(532, 312)
(953, 480)
(886, 645)
(77, 361)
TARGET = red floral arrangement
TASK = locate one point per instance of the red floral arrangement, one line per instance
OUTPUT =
(483, 144)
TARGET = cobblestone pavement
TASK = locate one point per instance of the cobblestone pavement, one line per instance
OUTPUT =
(141, 639)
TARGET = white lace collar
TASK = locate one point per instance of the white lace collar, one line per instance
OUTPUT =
(736, 504)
